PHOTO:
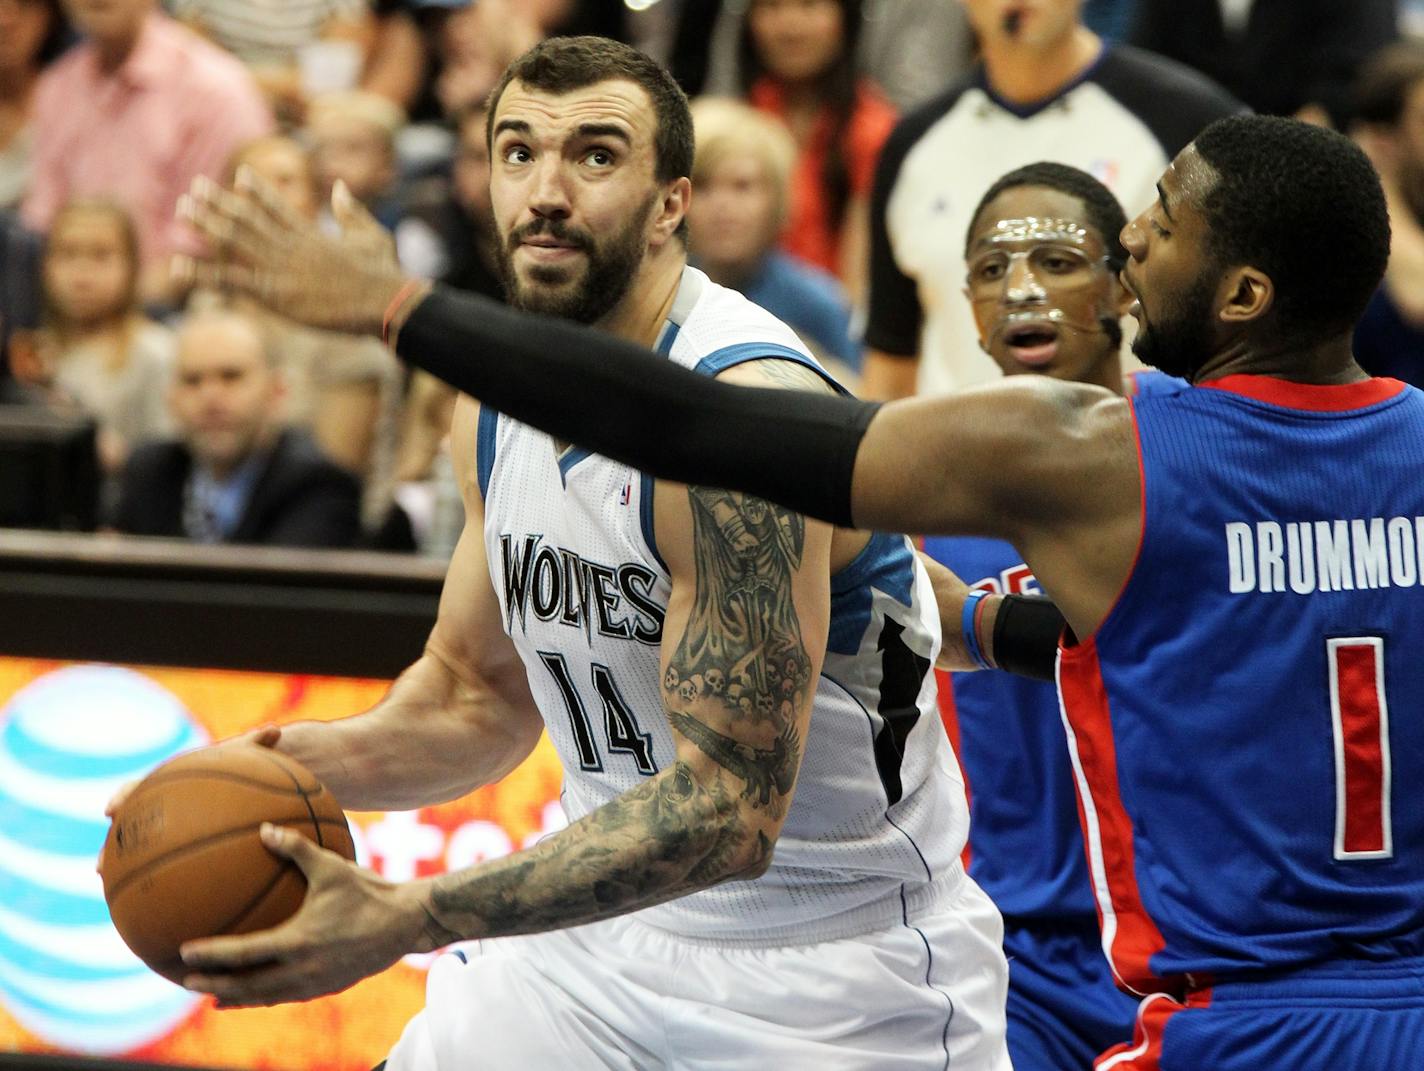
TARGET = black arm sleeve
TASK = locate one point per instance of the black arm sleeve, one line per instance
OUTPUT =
(617, 399)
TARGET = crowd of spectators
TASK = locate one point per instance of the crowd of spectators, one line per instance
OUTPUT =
(840, 143)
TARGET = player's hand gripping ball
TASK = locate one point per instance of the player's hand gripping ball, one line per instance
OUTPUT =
(184, 859)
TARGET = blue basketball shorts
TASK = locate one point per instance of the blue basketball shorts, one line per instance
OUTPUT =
(1064, 1009)
(1339, 1016)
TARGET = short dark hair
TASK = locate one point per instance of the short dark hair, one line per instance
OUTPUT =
(1104, 210)
(1304, 205)
(1384, 82)
(562, 64)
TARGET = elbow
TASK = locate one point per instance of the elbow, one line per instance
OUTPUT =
(752, 858)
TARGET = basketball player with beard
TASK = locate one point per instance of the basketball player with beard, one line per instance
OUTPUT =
(696, 656)
(1043, 258)
(1238, 562)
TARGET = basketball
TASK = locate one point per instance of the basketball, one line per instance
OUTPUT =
(184, 859)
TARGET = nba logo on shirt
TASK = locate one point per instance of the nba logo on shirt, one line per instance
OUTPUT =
(626, 493)
(1105, 171)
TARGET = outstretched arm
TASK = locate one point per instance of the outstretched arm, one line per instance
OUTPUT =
(1049, 466)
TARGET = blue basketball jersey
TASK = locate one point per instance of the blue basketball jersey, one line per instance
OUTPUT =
(1245, 725)
(1025, 842)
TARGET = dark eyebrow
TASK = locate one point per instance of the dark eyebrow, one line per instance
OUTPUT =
(518, 126)
(603, 130)
(1162, 200)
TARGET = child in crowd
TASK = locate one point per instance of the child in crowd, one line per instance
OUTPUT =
(96, 349)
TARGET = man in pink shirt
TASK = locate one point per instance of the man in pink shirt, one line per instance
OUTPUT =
(135, 112)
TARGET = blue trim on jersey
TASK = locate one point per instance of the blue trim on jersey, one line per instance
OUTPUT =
(715, 362)
(668, 337)
(645, 517)
(576, 454)
(886, 563)
(568, 459)
(729, 356)
(486, 443)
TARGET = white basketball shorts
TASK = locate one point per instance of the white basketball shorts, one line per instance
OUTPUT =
(925, 993)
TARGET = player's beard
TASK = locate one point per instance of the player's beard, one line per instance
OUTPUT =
(609, 269)
(1177, 341)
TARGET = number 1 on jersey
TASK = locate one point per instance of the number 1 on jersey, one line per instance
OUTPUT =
(1359, 717)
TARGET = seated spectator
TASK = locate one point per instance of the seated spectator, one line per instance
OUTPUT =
(287, 46)
(32, 33)
(453, 208)
(911, 49)
(741, 178)
(353, 139)
(135, 112)
(476, 44)
(798, 65)
(96, 350)
(234, 474)
(352, 136)
(343, 390)
(1389, 125)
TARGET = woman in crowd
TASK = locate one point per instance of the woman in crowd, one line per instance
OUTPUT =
(32, 32)
(797, 63)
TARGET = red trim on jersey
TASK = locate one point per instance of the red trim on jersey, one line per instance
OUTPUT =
(949, 715)
(1141, 526)
(1318, 397)
(1085, 703)
(1144, 1052)
(1364, 756)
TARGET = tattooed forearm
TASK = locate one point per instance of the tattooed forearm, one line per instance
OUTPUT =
(769, 773)
(741, 662)
(669, 836)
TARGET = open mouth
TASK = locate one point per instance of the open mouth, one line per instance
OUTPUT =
(1032, 344)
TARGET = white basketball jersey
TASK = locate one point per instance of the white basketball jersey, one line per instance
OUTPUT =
(879, 808)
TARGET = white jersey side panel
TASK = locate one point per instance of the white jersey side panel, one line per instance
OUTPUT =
(879, 807)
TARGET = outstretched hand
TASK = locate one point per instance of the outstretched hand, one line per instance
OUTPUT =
(261, 247)
(351, 925)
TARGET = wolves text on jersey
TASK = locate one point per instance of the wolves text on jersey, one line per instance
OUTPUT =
(559, 585)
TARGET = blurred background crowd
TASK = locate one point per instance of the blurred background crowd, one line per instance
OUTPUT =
(826, 131)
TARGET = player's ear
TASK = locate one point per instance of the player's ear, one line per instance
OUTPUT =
(1121, 298)
(672, 210)
(1246, 294)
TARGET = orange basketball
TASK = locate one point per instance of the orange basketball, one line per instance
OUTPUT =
(184, 859)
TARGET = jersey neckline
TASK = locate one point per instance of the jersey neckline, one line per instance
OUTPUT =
(1028, 111)
(1316, 397)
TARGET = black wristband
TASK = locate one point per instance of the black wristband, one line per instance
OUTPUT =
(1026, 634)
